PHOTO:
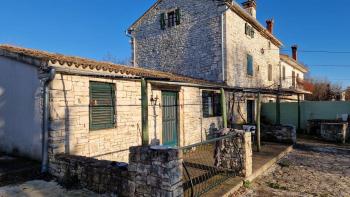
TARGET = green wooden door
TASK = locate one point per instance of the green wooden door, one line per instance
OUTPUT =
(170, 118)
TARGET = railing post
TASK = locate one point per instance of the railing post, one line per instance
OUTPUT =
(223, 108)
(144, 112)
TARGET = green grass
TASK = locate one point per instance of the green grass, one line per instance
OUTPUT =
(247, 184)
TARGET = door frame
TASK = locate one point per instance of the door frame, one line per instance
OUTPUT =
(178, 133)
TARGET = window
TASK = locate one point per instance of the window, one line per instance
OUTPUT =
(293, 78)
(249, 30)
(211, 104)
(102, 105)
(250, 65)
(284, 73)
(270, 73)
(172, 19)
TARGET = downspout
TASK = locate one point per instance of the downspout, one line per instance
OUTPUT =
(45, 129)
(128, 34)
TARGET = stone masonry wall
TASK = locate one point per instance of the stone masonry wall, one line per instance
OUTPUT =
(156, 171)
(69, 117)
(238, 45)
(192, 48)
(279, 133)
(100, 176)
(234, 153)
(336, 132)
(153, 171)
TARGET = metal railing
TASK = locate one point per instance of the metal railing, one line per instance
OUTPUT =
(203, 165)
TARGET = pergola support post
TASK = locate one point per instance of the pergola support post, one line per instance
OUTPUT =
(278, 109)
(299, 113)
(258, 125)
(223, 108)
(144, 112)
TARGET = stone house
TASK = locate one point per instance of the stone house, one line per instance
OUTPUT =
(219, 41)
(64, 104)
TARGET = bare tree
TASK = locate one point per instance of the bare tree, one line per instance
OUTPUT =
(113, 59)
(347, 94)
(324, 90)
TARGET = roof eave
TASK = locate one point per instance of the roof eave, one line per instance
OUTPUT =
(243, 14)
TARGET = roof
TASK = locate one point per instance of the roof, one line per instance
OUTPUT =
(45, 59)
(253, 21)
(294, 63)
(235, 7)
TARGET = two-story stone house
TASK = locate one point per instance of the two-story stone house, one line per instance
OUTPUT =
(216, 40)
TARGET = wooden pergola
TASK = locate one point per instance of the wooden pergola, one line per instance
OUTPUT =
(258, 91)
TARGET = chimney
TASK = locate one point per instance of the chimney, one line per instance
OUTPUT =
(250, 7)
(295, 52)
(269, 25)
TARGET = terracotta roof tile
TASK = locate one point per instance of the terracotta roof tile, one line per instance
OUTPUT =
(38, 57)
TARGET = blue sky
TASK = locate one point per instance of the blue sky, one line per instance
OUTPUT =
(96, 28)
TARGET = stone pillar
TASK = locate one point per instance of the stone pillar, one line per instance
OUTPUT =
(247, 154)
(155, 171)
(234, 153)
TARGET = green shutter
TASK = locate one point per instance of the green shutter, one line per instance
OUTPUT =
(250, 66)
(178, 16)
(246, 29)
(102, 105)
(162, 21)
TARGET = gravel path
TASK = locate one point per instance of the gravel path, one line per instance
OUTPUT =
(324, 172)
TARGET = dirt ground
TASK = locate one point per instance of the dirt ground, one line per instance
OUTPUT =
(321, 172)
(40, 188)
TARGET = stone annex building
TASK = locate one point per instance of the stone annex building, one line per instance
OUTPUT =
(184, 53)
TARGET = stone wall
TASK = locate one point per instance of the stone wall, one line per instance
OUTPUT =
(239, 45)
(192, 48)
(279, 133)
(156, 171)
(335, 132)
(69, 119)
(69, 116)
(153, 171)
(96, 175)
(235, 153)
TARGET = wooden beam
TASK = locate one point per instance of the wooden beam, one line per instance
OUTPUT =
(223, 108)
(144, 112)
(258, 126)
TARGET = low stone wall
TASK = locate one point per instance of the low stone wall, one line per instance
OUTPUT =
(279, 133)
(336, 132)
(96, 175)
(152, 171)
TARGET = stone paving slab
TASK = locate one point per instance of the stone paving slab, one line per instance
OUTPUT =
(305, 173)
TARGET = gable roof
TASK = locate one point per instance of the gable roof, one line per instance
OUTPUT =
(285, 58)
(45, 59)
(235, 7)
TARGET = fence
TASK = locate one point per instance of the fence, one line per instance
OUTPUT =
(210, 163)
(308, 110)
